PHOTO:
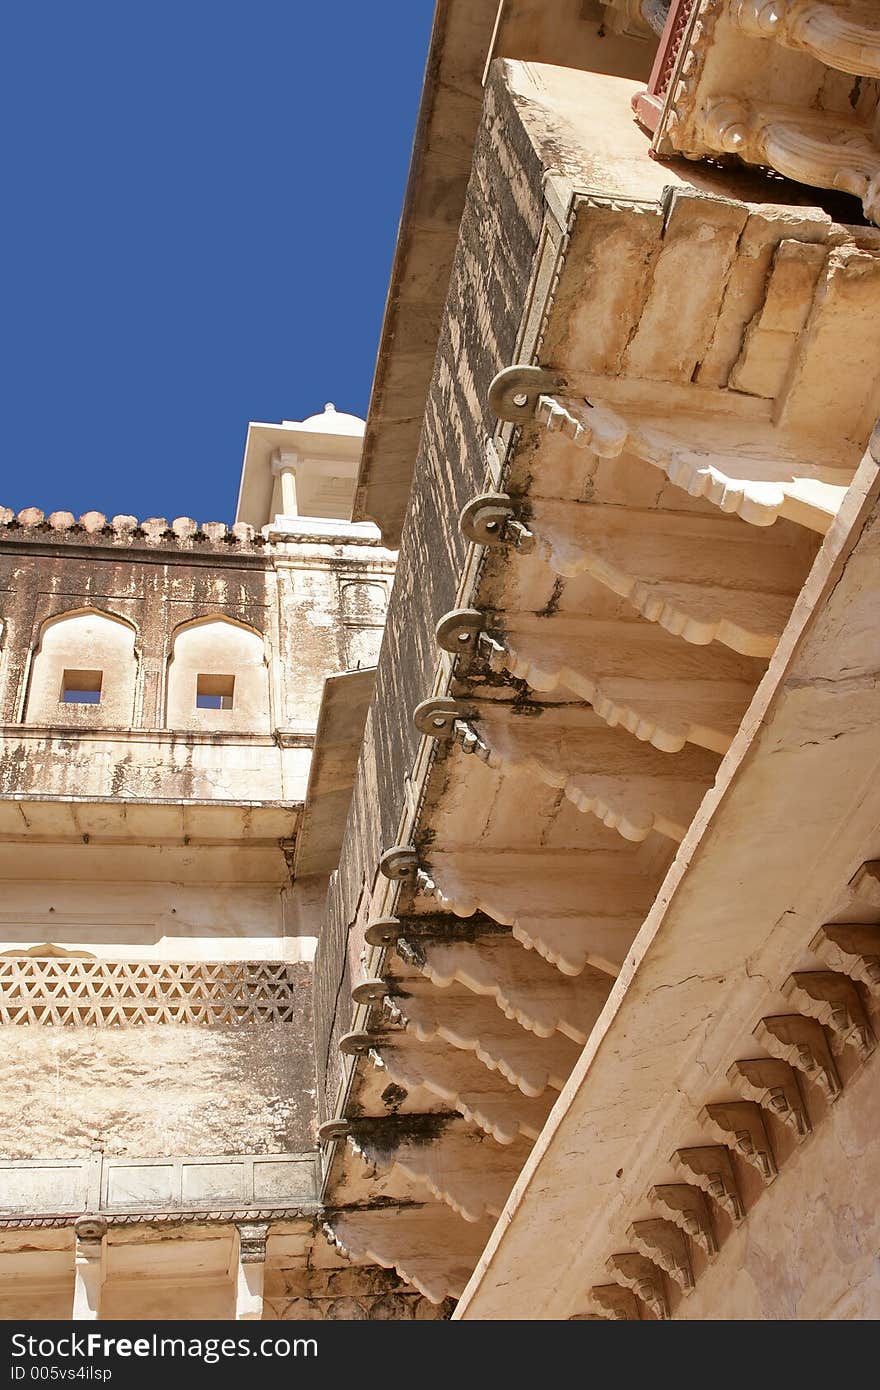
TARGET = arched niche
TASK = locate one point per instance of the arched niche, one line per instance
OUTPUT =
(218, 678)
(84, 671)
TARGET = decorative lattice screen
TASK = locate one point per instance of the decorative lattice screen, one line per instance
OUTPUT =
(104, 993)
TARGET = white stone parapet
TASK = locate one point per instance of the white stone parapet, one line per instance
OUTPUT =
(250, 1184)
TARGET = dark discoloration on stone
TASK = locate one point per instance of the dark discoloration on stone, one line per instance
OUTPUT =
(490, 278)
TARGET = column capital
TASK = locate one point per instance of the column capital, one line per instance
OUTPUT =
(252, 1241)
(284, 461)
(90, 1230)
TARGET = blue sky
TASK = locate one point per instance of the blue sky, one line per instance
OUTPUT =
(200, 207)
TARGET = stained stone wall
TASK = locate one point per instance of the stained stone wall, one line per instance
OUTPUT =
(490, 277)
(353, 1294)
(99, 862)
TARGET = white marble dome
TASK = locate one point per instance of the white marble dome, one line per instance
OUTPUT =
(331, 421)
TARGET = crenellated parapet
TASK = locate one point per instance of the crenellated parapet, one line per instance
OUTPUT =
(95, 528)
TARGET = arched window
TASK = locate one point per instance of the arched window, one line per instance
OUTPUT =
(84, 672)
(218, 678)
(362, 604)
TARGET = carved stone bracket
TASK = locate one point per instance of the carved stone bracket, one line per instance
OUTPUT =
(596, 428)
(400, 862)
(370, 991)
(835, 34)
(852, 948)
(743, 1120)
(759, 489)
(445, 719)
(383, 931)
(865, 882)
(801, 1042)
(834, 1000)
(333, 1129)
(462, 633)
(490, 520)
(772, 1084)
(89, 1232)
(252, 1242)
(666, 1244)
(686, 1205)
(354, 1044)
(813, 147)
(616, 1303)
(711, 1168)
(641, 1275)
(514, 392)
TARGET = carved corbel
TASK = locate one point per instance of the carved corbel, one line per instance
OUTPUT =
(90, 1230)
(852, 948)
(384, 931)
(809, 146)
(616, 1302)
(371, 991)
(589, 426)
(333, 1129)
(865, 882)
(446, 720)
(462, 633)
(772, 1084)
(641, 1275)
(666, 1244)
(490, 520)
(252, 1242)
(514, 392)
(801, 1042)
(400, 862)
(834, 1000)
(711, 1168)
(834, 34)
(250, 1279)
(743, 1120)
(687, 1207)
(411, 952)
(521, 393)
(356, 1044)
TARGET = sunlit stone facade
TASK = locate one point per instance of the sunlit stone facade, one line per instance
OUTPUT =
(526, 965)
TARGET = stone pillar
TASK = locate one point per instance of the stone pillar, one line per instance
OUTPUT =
(251, 1270)
(284, 467)
(88, 1267)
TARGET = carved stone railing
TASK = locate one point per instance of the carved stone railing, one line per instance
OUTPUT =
(648, 105)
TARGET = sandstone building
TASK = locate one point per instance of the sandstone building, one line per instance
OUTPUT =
(589, 847)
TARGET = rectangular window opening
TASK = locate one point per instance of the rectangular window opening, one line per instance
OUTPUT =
(214, 692)
(81, 687)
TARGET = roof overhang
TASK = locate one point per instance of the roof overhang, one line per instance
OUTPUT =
(466, 36)
(338, 741)
(770, 855)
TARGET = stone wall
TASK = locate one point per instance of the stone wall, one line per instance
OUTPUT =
(490, 277)
(351, 1295)
(120, 839)
(316, 607)
(159, 1089)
